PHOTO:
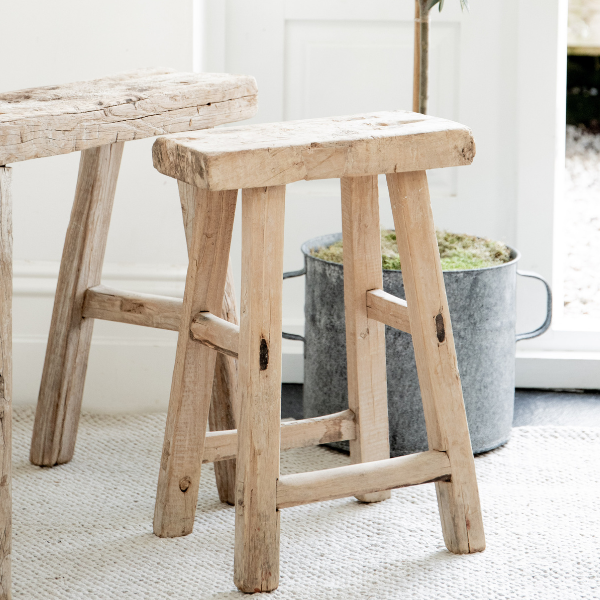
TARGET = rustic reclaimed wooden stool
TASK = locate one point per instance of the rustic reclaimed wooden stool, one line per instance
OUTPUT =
(261, 160)
(96, 117)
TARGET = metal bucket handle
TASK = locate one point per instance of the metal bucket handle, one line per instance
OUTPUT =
(520, 336)
(548, 320)
(289, 275)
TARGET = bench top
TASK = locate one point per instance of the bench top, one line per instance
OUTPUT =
(59, 119)
(281, 153)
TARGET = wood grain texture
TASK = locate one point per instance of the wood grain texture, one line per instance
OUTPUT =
(224, 409)
(256, 564)
(194, 371)
(222, 445)
(360, 479)
(388, 309)
(365, 338)
(67, 118)
(5, 382)
(280, 153)
(148, 310)
(445, 417)
(216, 333)
(63, 377)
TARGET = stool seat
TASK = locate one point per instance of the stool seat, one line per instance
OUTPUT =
(59, 119)
(281, 153)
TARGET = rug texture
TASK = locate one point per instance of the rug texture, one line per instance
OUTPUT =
(84, 530)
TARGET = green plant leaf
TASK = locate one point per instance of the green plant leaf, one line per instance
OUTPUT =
(431, 3)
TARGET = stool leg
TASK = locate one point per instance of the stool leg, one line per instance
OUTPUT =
(223, 406)
(256, 516)
(63, 378)
(189, 404)
(433, 341)
(365, 338)
(5, 382)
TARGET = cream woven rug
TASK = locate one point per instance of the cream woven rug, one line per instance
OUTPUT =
(84, 530)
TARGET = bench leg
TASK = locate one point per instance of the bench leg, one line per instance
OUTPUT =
(365, 338)
(179, 476)
(256, 567)
(63, 378)
(5, 382)
(223, 405)
(435, 355)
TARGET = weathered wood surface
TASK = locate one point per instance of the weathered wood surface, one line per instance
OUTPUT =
(388, 309)
(63, 377)
(59, 119)
(365, 337)
(439, 379)
(148, 310)
(160, 312)
(5, 383)
(280, 153)
(363, 478)
(256, 556)
(224, 405)
(216, 333)
(193, 375)
(338, 427)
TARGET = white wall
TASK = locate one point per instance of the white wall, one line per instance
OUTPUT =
(46, 43)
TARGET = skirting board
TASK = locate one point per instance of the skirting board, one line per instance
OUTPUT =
(125, 375)
(130, 367)
(554, 369)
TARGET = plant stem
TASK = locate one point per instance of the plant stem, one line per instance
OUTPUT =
(421, 63)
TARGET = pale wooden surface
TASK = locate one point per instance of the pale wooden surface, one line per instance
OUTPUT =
(67, 118)
(388, 309)
(338, 427)
(161, 312)
(223, 405)
(280, 153)
(63, 377)
(148, 310)
(194, 371)
(445, 417)
(360, 479)
(216, 333)
(256, 564)
(5, 382)
(365, 338)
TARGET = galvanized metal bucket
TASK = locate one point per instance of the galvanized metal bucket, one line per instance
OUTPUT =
(483, 310)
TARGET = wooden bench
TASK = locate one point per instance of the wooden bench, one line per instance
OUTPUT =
(262, 160)
(96, 117)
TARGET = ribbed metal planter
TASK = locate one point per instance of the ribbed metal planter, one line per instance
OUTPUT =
(483, 311)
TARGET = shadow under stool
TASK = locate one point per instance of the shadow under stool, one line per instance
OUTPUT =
(95, 117)
(260, 160)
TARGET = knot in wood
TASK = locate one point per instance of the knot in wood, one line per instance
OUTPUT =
(439, 328)
(184, 483)
(263, 355)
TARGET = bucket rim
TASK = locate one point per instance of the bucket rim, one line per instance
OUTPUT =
(331, 238)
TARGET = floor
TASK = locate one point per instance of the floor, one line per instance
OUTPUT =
(574, 408)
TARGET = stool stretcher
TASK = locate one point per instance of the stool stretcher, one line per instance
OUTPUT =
(362, 478)
(338, 427)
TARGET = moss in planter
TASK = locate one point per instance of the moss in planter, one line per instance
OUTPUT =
(458, 251)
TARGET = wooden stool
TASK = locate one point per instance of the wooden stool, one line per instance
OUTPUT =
(97, 117)
(261, 160)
